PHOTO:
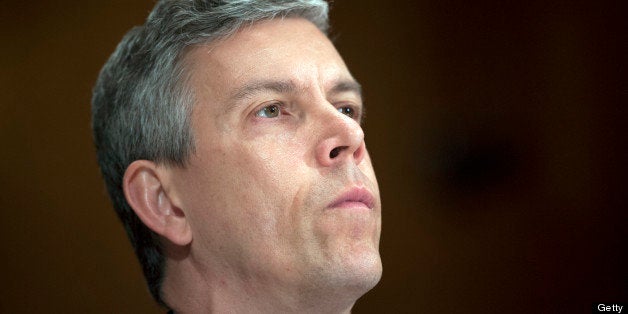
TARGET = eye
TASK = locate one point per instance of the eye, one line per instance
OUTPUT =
(270, 111)
(347, 111)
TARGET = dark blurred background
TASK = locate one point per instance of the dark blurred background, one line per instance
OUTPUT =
(497, 132)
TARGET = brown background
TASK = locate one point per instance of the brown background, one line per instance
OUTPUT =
(497, 133)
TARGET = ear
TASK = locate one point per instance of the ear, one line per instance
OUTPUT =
(144, 188)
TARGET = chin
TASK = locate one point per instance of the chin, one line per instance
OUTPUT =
(359, 271)
(349, 259)
(365, 272)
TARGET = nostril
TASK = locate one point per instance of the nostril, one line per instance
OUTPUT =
(336, 151)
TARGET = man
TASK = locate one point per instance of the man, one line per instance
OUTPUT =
(229, 137)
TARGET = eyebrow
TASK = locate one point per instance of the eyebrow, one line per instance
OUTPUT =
(346, 86)
(284, 87)
(255, 87)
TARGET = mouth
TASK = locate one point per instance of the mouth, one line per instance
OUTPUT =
(356, 198)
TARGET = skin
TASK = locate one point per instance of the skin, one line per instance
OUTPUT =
(272, 102)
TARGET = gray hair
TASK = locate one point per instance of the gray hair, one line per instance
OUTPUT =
(142, 104)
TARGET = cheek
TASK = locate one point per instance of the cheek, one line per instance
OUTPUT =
(255, 181)
(276, 160)
(279, 185)
(367, 169)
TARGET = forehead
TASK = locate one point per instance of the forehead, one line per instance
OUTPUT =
(283, 49)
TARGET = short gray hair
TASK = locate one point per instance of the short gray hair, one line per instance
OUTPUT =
(142, 104)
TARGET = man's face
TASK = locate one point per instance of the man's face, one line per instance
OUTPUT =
(280, 189)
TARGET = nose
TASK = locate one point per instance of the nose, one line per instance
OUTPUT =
(342, 138)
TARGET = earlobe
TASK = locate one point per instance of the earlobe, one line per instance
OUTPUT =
(144, 188)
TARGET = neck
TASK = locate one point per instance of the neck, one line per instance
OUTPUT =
(190, 287)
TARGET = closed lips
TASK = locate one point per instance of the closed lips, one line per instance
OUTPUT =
(354, 197)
